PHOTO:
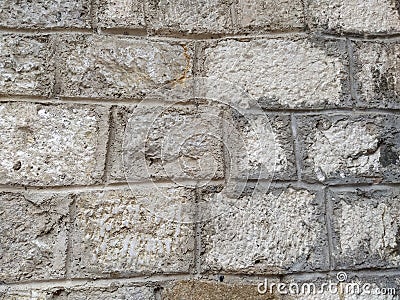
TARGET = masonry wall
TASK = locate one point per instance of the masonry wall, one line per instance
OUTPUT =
(191, 149)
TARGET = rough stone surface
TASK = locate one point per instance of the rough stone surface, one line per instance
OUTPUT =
(120, 67)
(357, 16)
(203, 290)
(45, 14)
(125, 232)
(377, 74)
(26, 65)
(33, 236)
(205, 16)
(281, 72)
(267, 15)
(346, 149)
(166, 142)
(366, 228)
(80, 293)
(267, 241)
(121, 14)
(259, 146)
(51, 145)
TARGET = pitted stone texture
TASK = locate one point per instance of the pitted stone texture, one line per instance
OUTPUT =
(281, 72)
(359, 16)
(188, 16)
(120, 67)
(267, 15)
(268, 231)
(121, 14)
(366, 228)
(87, 293)
(259, 146)
(51, 144)
(122, 232)
(26, 65)
(377, 74)
(45, 14)
(203, 290)
(166, 143)
(349, 149)
(33, 236)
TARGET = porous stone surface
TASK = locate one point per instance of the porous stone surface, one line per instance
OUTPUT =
(265, 15)
(121, 14)
(205, 16)
(45, 14)
(280, 72)
(258, 146)
(26, 65)
(366, 228)
(79, 293)
(51, 145)
(33, 236)
(166, 142)
(349, 149)
(377, 74)
(357, 16)
(124, 232)
(120, 67)
(206, 290)
(286, 231)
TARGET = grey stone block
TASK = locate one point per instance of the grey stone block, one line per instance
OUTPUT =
(33, 236)
(350, 148)
(52, 144)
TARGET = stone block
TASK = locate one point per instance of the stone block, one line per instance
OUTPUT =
(52, 144)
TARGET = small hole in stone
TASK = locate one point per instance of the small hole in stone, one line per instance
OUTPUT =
(17, 166)
(221, 278)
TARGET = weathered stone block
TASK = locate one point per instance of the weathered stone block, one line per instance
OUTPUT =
(357, 16)
(79, 293)
(267, 15)
(166, 142)
(366, 228)
(45, 14)
(377, 74)
(121, 14)
(259, 146)
(206, 16)
(135, 231)
(33, 236)
(280, 72)
(203, 290)
(286, 231)
(350, 148)
(26, 65)
(52, 144)
(120, 67)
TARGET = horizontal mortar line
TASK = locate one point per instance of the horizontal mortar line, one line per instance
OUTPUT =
(160, 102)
(52, 30)
(97, 282)
(363, 37)
(140, 33)
(108, 186)
(190, 183)
(316, 111)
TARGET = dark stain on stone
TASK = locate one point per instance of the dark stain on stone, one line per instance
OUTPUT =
(384, 83)
(388, 156)
(397, 5)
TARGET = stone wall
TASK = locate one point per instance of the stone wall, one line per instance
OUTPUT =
(155, 149)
